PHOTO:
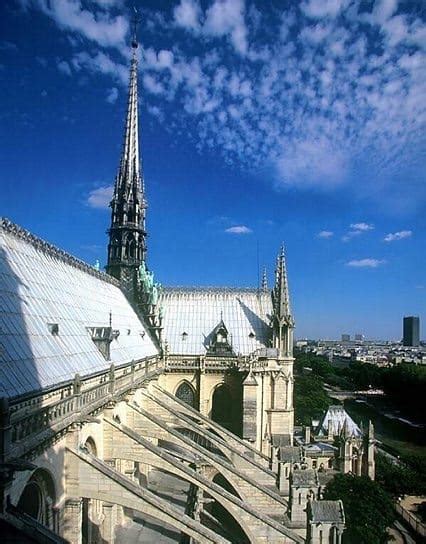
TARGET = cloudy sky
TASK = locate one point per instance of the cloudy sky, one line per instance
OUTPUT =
(262, 122)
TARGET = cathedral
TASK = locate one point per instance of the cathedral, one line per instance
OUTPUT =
(134, 412)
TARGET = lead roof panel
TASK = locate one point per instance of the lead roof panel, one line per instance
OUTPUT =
(39, 286)
(196, 311)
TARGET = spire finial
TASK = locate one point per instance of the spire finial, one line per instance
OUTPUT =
(134, 25)
(281, 285)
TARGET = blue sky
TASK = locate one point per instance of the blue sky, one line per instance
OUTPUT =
(262, 122)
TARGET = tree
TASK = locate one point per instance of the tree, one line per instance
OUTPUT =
(406, 478)
(368, 508)
(310, 399)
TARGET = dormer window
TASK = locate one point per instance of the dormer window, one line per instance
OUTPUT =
(53, 328)
(220, 341)
(184, 336)
(252, 335)
(102, 338)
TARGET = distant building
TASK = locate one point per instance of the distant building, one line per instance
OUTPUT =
(411, 331)
(346, 337)
(359, 338)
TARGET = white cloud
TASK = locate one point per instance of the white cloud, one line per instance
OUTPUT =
(152, 84)
(64, 67)
(311, 162)
(383, 9)
(102, 27)
(187, 14)
(156, 112)
(338, 90)
(317, 9)
(100, 198)
(239, 229)
(391, 237)
(356, 229)
(101, 63)
(112, 95)
(325, 234)
(226, 17)
(362, 227)
(366, 263)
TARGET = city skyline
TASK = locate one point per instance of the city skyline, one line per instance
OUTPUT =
(224, 197)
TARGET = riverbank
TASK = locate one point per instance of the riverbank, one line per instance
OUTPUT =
(399, 434)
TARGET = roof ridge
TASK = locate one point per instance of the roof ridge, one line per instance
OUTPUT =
(210, 288)
(47, 247)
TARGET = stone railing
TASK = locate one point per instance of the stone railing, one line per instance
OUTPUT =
(33, 422)
(413, 521)
(202, 364)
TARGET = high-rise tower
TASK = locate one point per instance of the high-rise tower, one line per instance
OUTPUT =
(411, 331)
(127, 235)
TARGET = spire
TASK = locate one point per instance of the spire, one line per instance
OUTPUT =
(127, 248)
(281, 293)
(264, 285)
(283, 323)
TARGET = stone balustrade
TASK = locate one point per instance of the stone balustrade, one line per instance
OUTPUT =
(56, 410)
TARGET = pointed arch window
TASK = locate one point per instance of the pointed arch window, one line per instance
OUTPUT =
(186, 393)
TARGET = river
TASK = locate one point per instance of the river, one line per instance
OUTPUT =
(399, 433)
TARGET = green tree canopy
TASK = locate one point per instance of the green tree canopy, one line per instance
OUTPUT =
(368, 508)
(310, 399)
(406, 478)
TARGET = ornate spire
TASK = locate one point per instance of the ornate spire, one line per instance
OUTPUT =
(281, 293)
(283, 323)
(127, 247)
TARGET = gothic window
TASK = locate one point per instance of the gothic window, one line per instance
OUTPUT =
(132, 249)
(186, 393)
(90, 446)
(221, 337)
(38, 498)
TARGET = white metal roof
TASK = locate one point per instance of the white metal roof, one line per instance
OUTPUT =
(40, 285)
(196, 311)
(339, 418)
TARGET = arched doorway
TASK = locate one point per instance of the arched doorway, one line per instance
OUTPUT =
(222, 408)
(186, 393)
(38, 498)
